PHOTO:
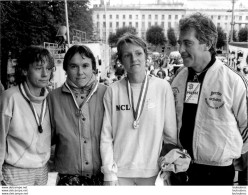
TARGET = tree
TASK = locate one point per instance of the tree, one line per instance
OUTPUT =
(26, 23)
(155, 36)
(221, 41)
(171, 37)
(113, 37)
(243, 34)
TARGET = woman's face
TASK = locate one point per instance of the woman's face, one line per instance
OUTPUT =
(133, 58)
(80, 70)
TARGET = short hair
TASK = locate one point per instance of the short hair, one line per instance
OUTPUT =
(83, 51)
(206, 31)
(30, 55)
(130, 38)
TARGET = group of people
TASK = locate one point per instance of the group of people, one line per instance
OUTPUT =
(136, 131)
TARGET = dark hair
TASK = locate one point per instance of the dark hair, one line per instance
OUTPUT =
(30, 55)
(206, 31)
(83, 51)
(130, 38)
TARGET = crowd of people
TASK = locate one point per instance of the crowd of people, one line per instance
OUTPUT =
(135, 130)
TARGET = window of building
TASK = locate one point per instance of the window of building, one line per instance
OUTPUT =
(162, 24)
(97, 16)
(110, 16)
(169, 16)
(149, 24)
(103, 16)
(130, 23)
(246, 17)
(124, 16)
(212, 17)
(104, 24)
(110, 25)
(219, 17)
(156, 16)
(226, 17)
(117, 16)
(136, 24)
(143, 35)
(117, 24)
(137, 17)
(150, 16)
(176, 17)
(240, 17)
(97, 24)
(156, 23)
(143, 17)
(123, 24)
(143, 24)
(169, 24)
(162, 17)
(130, 16)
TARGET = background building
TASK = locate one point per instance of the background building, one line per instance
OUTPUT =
(165, 13)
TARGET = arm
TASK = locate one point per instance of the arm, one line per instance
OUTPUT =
(240, 110)
(5, 118)
(170, 127)
(109, 167)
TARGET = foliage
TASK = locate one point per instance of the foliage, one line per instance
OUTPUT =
(221, 41)
(243, 34)
(34, 22)
(155, 35)
(113, 37)
(171, 37)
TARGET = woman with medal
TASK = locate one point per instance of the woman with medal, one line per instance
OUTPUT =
(25, 130)
(139, 117)
(76, 117)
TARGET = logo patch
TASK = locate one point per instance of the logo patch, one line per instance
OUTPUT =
(215, 100)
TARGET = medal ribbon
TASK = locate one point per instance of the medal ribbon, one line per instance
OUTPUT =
(141, 100)
(86, 99)
(38, 119)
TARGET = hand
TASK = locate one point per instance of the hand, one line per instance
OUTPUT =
(182, 164)
(110, 183)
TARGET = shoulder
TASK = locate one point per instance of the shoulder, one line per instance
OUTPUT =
(11, 92)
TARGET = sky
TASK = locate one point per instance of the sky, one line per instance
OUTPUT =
(245, 2)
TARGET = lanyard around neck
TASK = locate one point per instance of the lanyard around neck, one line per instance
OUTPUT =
(141, 101)
(39, 119)
(79, 107)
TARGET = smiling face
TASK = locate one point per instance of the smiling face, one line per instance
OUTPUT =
(193, 53)
(80, 70)
(133, 58)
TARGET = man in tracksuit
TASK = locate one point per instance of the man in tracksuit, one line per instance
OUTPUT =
(211, 105)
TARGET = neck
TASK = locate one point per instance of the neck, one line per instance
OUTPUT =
(34, 91)
(203, 64)
(136, 78)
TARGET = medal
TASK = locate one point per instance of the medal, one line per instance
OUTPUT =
(39, 119)
(40, 129)
(141, 100)
(78, 113)
(135, 124)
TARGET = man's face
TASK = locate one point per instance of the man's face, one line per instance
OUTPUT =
(79, 70)
(38, 75)
(192, 52)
